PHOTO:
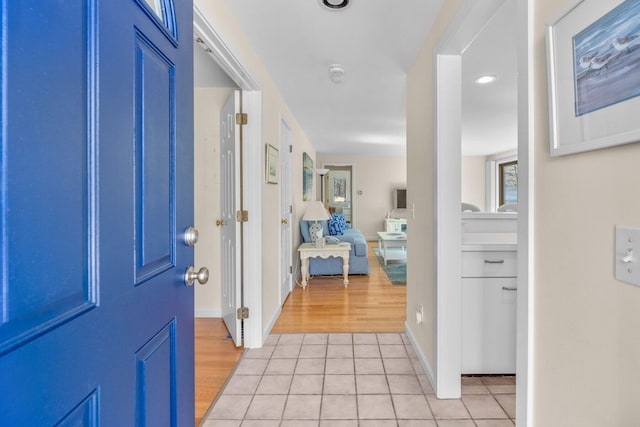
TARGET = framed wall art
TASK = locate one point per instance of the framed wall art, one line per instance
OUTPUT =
(593, 59)
(307, 177)
(271, 166)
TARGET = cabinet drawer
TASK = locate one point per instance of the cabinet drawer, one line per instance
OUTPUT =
(489, 264)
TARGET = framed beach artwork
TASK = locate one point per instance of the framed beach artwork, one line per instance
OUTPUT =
(593, 58)
(271, 166)
(307, 177)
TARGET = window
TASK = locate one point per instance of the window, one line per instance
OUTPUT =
(508, 182)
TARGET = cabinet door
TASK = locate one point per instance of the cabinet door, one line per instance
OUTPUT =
(489, 325)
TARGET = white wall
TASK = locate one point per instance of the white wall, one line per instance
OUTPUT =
(586, 346)
(473, 180)
(375, 177)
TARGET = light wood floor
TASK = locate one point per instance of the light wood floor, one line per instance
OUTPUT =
(370, 304)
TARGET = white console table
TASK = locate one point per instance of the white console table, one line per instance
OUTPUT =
(395, 225)
(308, 250)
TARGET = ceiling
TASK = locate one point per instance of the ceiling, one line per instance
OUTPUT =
(298, 40)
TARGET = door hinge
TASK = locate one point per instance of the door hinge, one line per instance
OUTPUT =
(290, 208)
(242, 118)
(242, 216)
(242, 313)
(291, 269)
(291, 148)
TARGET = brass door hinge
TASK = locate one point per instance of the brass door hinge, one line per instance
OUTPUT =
(243, 313)
(242, 216)
(242, 118)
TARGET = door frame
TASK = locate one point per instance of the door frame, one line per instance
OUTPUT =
(252, 173)
(327, 165)
(471, 17)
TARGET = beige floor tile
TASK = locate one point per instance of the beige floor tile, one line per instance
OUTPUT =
(398, 367)
(307, 384)
(339, 367)
(341, 339)
(230, 407)
(310, 366)
(495, 423)
(426, 385)
(259, 353)
(313, 351)
(272, 339)
(302, 407)
(366, 351)
(416, 423)
(221, 423)
(369, 366)
(268, 407)
(444, 409)
(339, 351)
(474, 389)
(339, 408)
(288, 339)
(483, 406)
(251, 366)
(508, 403)
(315, 339)
(260, 423)
(502, 389)
(339, 384)
(274, 384)
(287, 351)
(365, 339)
(389, 338)
(377, 423)
(393, 351)
(411, 407)
(242, 384)
(499, 380)
(375, 407)
(338, 423)
(299, 423)
(404, 384)
(372, 384)
(281, 367)
(456, 423)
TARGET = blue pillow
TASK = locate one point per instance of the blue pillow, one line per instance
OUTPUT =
(337, 224)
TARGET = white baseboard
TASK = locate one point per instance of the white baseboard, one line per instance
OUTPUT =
(423, 359)
(207, 312)
(271, 324)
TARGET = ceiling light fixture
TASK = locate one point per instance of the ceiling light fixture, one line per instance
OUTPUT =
(486, 79)
(336, 73)
(335, 4)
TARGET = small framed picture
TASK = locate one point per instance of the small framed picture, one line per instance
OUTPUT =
(271, 167)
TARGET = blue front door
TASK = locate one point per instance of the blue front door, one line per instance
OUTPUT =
(96, 323)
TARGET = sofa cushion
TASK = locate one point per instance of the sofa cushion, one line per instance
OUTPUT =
(337, 224)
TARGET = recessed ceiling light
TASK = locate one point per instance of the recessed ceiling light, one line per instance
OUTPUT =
(486, 79)
(335, 4)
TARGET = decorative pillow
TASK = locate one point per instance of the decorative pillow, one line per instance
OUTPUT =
(337, 224)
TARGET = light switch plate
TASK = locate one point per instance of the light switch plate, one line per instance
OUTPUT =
(627, 257)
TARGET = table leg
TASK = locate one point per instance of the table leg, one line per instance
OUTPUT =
(345, 269)
(304, 270)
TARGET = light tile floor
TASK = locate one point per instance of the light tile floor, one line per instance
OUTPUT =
(350, 380)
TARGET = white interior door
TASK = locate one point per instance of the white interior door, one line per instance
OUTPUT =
(230, 228)
(285, 212)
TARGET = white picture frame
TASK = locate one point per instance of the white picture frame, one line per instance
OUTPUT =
(585, 67)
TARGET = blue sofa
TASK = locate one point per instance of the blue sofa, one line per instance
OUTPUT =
(358, 262)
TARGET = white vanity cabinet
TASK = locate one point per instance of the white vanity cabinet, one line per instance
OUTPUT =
(489, 283)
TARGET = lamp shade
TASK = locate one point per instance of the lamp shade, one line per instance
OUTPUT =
(315, 212)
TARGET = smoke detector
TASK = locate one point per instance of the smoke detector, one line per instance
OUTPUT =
(335, 4)
(336, 73)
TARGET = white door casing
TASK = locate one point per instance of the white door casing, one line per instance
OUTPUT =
(285, 211)
(230, 229)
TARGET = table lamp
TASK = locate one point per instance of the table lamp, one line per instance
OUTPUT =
(316, 212)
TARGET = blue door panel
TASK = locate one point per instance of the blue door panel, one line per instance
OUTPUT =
(96, 180)
(46, 274)
(155, 165)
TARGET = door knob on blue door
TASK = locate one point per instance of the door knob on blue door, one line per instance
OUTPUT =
(201, 276)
